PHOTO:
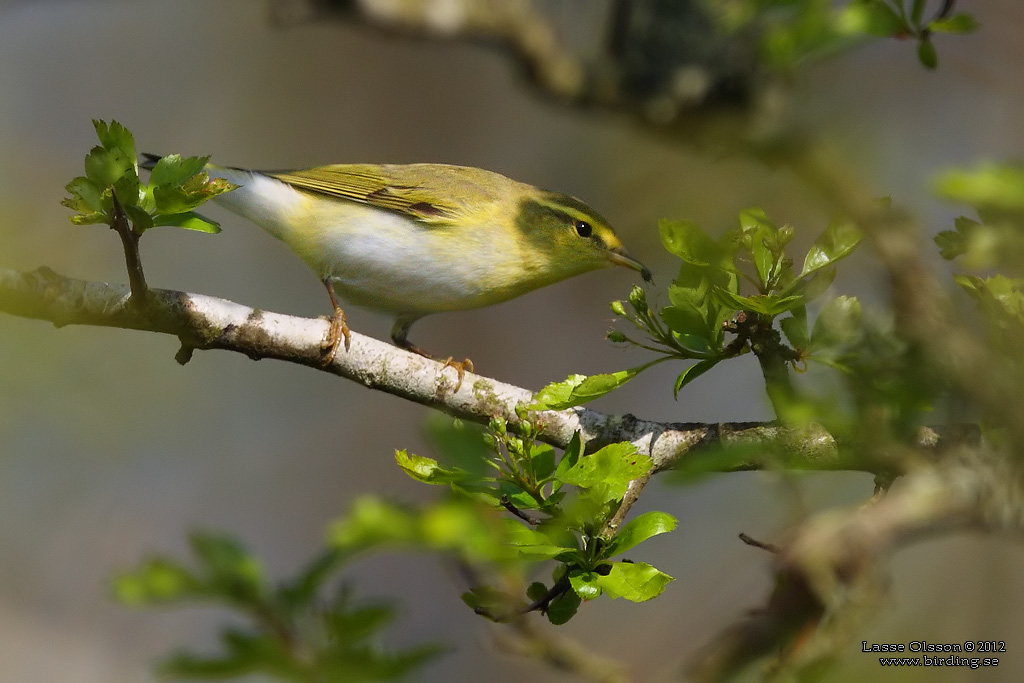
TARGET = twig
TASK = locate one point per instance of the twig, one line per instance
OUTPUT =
(506, 503)
(753, 542)
(559, 652)
(132, 259)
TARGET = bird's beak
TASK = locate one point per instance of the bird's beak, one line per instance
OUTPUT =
(622, 258)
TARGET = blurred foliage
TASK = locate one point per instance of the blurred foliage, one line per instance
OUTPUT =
(306, 630)
(794, 31)
(300, 630)
(993, 243)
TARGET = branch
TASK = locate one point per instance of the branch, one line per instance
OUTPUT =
(668, 65)
(827, 578)
(514, 24)
(528, 640)
(204, 322)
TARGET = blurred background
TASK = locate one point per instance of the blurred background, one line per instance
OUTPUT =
(109, 450)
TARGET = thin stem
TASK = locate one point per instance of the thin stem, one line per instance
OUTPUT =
(507, 503)
(133, 262)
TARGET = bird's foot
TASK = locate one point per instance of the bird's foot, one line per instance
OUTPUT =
(338, 329)
(460, 368)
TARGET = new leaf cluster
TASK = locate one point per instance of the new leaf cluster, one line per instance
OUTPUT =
(733, 295)
(540, 508)
(176, 187)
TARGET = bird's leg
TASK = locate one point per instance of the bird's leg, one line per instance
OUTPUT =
(339, 328)
(399, 335)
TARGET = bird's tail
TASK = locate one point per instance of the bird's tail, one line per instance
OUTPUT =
(149, 160)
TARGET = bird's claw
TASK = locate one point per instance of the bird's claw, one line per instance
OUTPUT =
(460, 368)
(337, 330)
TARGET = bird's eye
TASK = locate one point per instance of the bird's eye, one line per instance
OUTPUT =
(583, 228)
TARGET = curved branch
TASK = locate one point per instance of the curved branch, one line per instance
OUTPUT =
(828, 573)
(204, 322)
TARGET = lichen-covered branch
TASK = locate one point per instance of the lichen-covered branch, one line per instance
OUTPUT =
(203, 322)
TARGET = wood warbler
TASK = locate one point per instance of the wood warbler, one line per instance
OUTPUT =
(418, 239)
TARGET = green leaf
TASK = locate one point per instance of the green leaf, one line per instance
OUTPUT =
(996, 186)
(838, 240)
(873, 18)
(688, 241)
(585, 584)
(735, 301)
(917, 11)
(570, 457)
(461, 527)
(1000, 297)
(556, 393)
(140, 219)
(427, 470)
(127, 189)
(954, 243)
(180, 199)
(533, 544)
(694, 246)
(158, 580)
(104, 167)
(179, 185)
(765, 304)
(536, 590)
(759, 237)
(691, 373)
(542, 461)
(461, 444)
(635, 582)
(174, 171)
(958, 23)
(579, 389)
(302, 592)
(639, 530)
(613, 466)
(777, 305)
(926, 53)
(228, 566)
(810, 288)
(193, 667)
(371, 521)
(85, 196)
(837, 327)
(564, 607)
(89, 218)
(795, 328)
(117, 137)
(688, 314)
(189, 220)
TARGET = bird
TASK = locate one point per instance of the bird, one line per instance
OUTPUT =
(418, 239)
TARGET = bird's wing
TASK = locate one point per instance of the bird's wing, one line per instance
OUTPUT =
(421, 191)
